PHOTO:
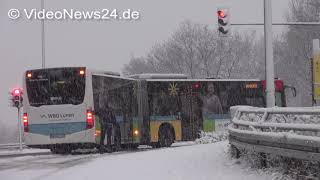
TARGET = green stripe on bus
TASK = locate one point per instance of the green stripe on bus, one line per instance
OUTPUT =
(135, 126)
(98, 128)
(208, 125)
(164, 118)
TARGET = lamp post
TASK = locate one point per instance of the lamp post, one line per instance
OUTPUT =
(270, 90)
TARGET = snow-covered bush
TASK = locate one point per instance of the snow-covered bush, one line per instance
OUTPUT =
(211, 137)
(279, 168)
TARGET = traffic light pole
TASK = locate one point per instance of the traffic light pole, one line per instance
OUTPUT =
(16, 101)
(43, 50)
(279, 24)
(19, 127)
(270, 90)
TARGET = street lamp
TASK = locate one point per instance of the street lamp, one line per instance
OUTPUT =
(270, 91)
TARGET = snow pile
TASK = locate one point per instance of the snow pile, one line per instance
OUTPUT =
(251, 117)
(302, 115)
(294, 118)
(284, 118)
(212, 137)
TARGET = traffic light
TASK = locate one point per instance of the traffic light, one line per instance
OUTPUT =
(16, 97)
(196, 87)
(223, 20)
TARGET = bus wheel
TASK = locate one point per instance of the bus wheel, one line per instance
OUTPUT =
(134, 146)
(155, 145)
(166, 137)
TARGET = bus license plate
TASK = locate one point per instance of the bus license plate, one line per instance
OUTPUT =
(57, 136)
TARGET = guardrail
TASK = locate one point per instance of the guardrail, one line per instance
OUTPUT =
(10, 146)
(288, 132)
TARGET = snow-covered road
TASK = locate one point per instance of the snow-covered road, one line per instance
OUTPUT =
(196, 162)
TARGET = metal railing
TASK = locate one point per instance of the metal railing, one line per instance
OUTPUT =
(289, 132)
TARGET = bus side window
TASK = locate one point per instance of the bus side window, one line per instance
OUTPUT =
(235, 96)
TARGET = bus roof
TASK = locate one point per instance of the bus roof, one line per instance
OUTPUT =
(204, 80)
(97, 72)
(55, 68)
(112, 76)
(178, 77)
(159, 76)
(93, 71)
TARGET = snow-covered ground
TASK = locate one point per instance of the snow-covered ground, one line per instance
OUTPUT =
(188, 161)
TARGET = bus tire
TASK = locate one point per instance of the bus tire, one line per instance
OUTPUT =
(166, 135)
(134, 146)
(129, 146)
(155, 145)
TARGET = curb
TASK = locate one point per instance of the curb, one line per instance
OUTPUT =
(24, 154)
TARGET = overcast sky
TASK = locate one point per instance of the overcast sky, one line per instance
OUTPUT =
(104, 44)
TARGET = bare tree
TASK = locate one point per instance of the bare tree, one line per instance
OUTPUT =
(138, 66)
(294, 49)
(197, 51)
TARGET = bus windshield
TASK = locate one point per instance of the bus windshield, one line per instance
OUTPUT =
(239, 93)
(55, 86)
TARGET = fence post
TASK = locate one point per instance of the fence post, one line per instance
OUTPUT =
(235, 152)
(263, 160)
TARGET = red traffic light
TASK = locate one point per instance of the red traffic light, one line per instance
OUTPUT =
(16, 92)
(221, 14)
(16, 97)
(196, 85)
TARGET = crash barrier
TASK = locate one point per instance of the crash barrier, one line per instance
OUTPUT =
(288, 132)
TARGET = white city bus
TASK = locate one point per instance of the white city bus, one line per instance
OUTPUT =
(59, 108)
(63, 107)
